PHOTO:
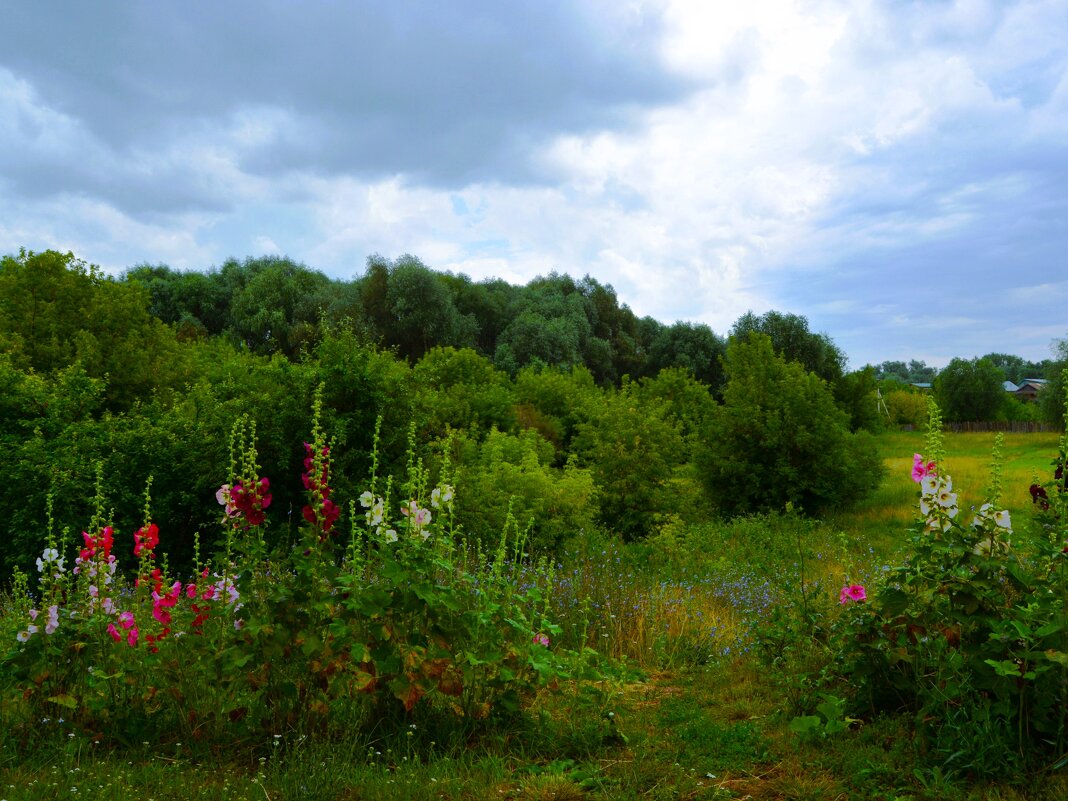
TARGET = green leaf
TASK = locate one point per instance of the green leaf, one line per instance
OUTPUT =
(894, 601)
(806, 725)
(68, 701)
(1060, 657)
(1050, 628)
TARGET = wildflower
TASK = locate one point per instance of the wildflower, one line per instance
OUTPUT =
(50, 558)
(222, 496)
(929, 484)
(947, 499)
(366, 499)
(250, 501)
(24, 636)
(114, 632)
(390, 535)
(440, 495)
(146, 539)
(541, 639)
(852, 592)
(921, 470)
(53, 620)
(419, 517)
(1002, 519)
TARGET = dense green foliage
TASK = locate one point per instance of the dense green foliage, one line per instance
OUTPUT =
(970, 390)
(779, 438)
(558, 403)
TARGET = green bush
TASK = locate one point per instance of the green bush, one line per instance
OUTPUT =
(512, 474)
(906, 407)
(779, 438)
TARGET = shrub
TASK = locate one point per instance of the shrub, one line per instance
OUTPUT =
(779, 438)
(905, 407)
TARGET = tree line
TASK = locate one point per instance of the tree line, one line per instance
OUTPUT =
(552, 402)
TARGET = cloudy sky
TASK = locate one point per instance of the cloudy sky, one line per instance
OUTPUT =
(897, 172)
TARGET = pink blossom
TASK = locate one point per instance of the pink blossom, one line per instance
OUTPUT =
(852, 592)
(114, 632)
(920, 470)
(541, 639)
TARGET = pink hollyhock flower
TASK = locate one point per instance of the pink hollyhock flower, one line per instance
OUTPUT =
(33, 614)
(920, 470)
(126, 619)
(541, 639)
(131, 637)
(114, 632)
(852, 592)
(191, 591)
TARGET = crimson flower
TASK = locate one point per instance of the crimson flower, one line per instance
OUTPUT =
(146, 538)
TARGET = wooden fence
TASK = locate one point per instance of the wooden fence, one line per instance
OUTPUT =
(1017, 427)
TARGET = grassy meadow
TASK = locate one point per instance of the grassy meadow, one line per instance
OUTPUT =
(692, 697)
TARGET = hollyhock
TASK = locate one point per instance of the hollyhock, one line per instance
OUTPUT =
(1039, 496)
(541, 639)
(53, 620)
(50, 558)
(323, 512)
(146, 539)
(852, 592)
(251, 501)
(920, 469)
(223, 497)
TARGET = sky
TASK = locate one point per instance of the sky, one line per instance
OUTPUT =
(896, 172)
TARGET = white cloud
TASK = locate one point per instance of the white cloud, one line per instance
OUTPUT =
(823, 157)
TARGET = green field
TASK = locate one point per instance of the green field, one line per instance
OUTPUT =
(881, 518)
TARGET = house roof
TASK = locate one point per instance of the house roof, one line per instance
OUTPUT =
(1009, 386)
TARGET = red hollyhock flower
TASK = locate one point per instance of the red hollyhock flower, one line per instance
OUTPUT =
(251, 501)
(146, 538)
